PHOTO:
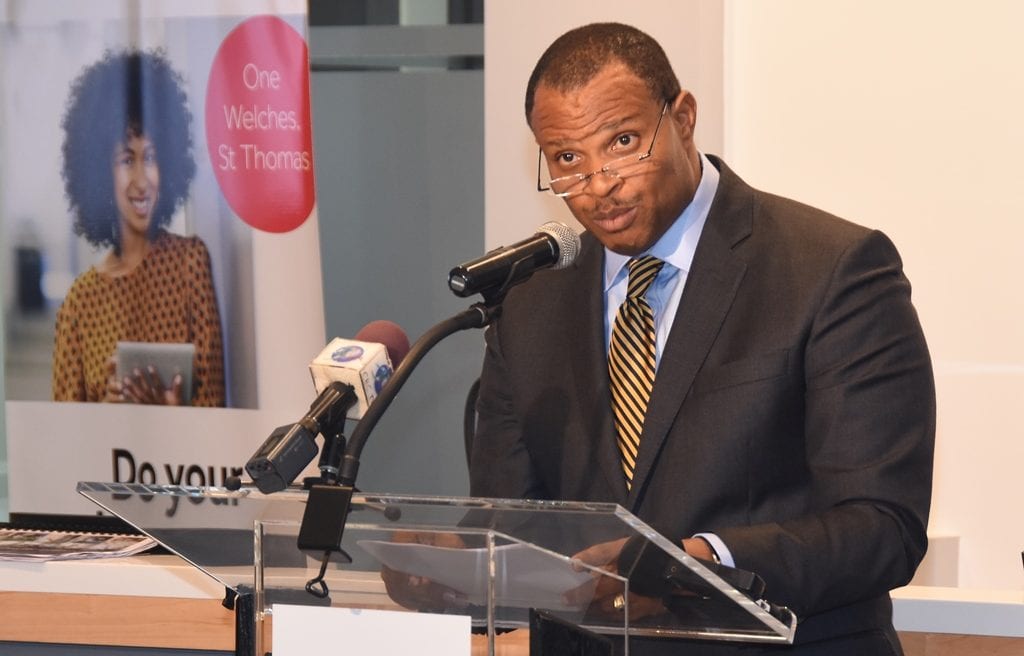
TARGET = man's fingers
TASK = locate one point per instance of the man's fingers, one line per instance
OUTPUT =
(601, 554)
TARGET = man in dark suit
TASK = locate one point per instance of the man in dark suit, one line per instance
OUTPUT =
(790, 426)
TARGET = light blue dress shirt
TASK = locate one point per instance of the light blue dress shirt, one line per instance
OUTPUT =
(676, 248)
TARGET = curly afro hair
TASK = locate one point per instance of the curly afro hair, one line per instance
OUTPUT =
(126, 94)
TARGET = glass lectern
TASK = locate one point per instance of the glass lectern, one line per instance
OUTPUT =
(493, 560)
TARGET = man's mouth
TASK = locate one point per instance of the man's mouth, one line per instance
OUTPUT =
(616, 219)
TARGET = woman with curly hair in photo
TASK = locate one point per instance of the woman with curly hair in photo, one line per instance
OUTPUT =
(127, 168)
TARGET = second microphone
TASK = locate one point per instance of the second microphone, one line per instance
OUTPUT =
(555, 245)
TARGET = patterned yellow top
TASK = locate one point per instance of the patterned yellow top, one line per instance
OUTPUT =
(169, 297)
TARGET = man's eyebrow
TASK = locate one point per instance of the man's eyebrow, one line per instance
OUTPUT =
(608, 126)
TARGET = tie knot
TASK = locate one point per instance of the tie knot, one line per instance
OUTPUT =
(642, 272)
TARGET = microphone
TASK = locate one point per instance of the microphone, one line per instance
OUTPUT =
(555, 245)
(290, 448)
(364, 363)
(346, 384)
(390, 335)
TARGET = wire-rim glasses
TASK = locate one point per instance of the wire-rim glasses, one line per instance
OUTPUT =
(568, 186)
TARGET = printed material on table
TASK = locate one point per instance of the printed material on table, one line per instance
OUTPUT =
(31, 545)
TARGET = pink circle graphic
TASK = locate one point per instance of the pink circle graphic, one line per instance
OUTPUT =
(258, 130)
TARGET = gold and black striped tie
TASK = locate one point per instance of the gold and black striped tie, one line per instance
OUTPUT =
(631, 360)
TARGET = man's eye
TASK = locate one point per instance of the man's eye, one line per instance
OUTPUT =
(566, 158)
(624, 141)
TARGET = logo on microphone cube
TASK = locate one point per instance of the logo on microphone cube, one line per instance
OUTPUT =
(381, 377)
(349, 353)
(363, 365)
(374, 377)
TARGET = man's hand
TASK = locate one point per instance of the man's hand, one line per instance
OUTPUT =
(698, 548)
(605, 593)
(418, 592)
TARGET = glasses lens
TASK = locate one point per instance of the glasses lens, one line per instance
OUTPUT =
(625, 166)
(570, 184)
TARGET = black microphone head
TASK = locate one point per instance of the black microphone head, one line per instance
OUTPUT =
(568, 242)
(390, 335)
(281, 458)
(554, 245)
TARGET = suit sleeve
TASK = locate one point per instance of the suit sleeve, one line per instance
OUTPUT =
(869, 433)
(500, 464)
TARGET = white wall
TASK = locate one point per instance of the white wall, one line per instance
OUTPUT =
(908, 117)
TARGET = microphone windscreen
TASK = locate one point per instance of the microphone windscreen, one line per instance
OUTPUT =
(390, 335)
(568, 242)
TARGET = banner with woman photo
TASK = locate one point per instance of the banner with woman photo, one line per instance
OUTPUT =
(161, 277)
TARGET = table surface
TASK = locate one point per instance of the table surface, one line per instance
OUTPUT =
(917, 608)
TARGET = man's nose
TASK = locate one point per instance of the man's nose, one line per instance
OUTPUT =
(603, 183)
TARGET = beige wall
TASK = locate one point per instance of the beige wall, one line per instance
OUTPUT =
(908, 117)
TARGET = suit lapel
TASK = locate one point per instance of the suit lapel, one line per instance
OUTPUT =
(710, 288)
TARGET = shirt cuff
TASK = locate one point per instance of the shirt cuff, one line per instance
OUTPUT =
(722, 551)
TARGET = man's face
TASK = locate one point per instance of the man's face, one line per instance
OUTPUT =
(580, 131)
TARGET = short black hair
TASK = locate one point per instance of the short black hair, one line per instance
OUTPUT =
(125, 94)
(574, 58)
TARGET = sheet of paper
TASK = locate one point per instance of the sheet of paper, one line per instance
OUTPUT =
(304, 630)
(526, 576)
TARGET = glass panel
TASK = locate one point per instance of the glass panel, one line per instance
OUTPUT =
(495, 559)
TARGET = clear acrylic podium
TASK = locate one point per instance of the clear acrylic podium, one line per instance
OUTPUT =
(492, 560)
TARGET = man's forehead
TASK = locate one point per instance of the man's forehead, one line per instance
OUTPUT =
(614, 73)
(600, 106)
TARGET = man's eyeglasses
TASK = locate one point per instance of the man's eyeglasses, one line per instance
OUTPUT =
(568, 186)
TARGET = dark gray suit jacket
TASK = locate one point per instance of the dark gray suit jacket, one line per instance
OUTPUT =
(793, 412)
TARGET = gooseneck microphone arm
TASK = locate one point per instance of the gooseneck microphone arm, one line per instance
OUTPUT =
(478, 315)
(328, 504)
(327, 507)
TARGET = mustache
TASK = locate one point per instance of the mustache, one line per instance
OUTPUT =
(608, 210)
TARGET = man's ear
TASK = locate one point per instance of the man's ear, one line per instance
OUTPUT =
(683, 111)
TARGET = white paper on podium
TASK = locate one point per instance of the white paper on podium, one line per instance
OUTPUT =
(304, 630)
(541, 578)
